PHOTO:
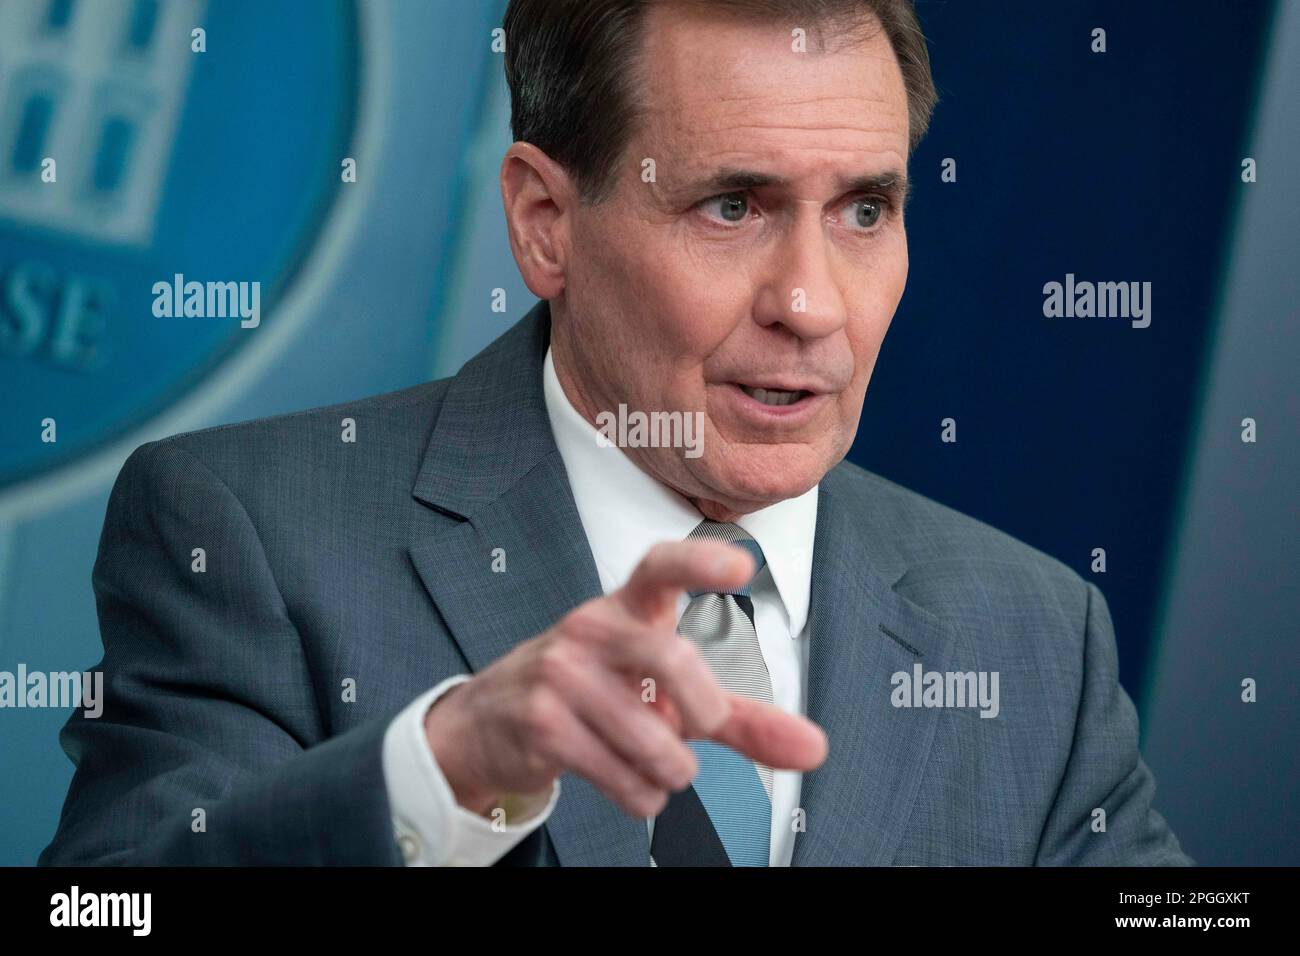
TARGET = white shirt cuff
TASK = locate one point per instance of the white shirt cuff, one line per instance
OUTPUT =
(430, 827)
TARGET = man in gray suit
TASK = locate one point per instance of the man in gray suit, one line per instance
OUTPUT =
(610, 595)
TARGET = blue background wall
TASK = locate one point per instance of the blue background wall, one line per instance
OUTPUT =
(1072, 433)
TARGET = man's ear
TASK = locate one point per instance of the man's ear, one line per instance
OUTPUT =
(539, 197)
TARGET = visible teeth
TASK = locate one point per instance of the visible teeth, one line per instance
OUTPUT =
(772, 396)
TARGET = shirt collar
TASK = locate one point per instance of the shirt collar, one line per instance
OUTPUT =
(625, 511)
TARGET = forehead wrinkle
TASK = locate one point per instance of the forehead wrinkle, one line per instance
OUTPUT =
(870, 122)
(736, 158)
(750, 128)
(682, 108)
(874, 115)
(721, 96)
(749, 143)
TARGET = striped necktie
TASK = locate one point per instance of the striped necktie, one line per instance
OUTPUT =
(725, 817)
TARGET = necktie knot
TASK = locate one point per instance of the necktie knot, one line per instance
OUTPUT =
(732, 534)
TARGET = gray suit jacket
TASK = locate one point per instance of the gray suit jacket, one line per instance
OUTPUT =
(330, 562)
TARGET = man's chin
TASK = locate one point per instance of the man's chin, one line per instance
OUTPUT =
(766, 478)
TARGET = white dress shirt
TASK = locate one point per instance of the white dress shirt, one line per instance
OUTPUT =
(624, 512)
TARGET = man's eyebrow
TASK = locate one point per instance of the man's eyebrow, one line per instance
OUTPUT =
(892, 182)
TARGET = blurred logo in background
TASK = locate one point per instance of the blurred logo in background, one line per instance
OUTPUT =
(140, 140)
(92, 83)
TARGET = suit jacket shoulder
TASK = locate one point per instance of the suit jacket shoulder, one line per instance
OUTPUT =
(939, 553)
(388, 436)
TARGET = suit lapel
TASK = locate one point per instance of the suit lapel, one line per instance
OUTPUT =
(492, 461)
(861, 632)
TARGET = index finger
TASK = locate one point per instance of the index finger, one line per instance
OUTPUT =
(674, 566)
(770, 735)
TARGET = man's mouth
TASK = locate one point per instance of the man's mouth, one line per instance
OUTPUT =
(775, 397)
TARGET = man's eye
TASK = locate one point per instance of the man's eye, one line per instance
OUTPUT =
(867, 212)
(731, 207)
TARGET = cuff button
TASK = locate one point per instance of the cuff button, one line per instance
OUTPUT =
(409, 846)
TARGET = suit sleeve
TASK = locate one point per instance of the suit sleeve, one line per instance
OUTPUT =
(211, 748)
(1105, 770)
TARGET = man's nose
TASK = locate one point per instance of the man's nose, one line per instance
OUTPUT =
(801, 291)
